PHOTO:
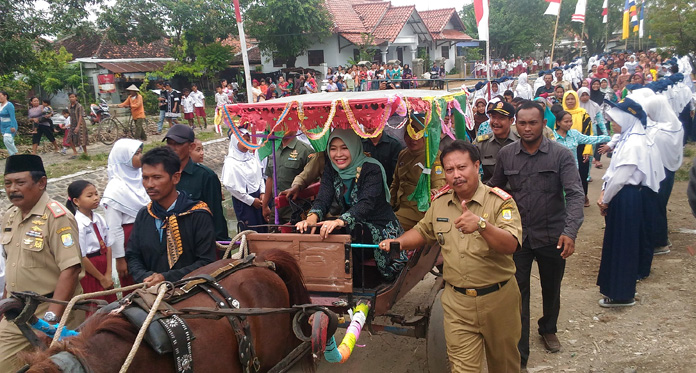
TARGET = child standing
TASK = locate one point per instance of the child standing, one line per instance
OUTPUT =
(197, 152)
(95, 240)
(187, 104)
(66, 128)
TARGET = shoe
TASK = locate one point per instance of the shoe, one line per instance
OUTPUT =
(551, 342)
(612, 303)
(661, 250)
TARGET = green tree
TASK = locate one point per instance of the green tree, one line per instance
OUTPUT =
(22, 28)
(595, 30)
(190, 24)
(515, 26)
(53, 72)
(286, 28)
(366, 49)
(673, 23)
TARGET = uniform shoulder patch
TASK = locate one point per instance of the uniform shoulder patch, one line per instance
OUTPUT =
(441, 192)
(56, 209)
(483, 138)
(501, 193)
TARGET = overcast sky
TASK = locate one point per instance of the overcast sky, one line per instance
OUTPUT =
(433, 4)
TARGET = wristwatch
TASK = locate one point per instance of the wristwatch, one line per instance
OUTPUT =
(481, 224)
(50, 317)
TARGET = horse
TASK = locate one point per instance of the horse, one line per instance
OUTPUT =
(105, 339)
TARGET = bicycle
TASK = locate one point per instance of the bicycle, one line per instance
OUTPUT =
(111, 129)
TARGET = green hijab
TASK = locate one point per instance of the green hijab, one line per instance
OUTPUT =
(358, 158)
(548, 114)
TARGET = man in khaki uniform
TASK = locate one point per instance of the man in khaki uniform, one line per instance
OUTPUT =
(502, 115)
(409, 168)
(310, 174)
(41, 250)
(478, 228)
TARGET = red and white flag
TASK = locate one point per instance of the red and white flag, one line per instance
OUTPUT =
(605, 11)
(554, 7)
(579, 15)
(481, 11)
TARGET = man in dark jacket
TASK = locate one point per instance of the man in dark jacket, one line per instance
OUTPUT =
(173, 235)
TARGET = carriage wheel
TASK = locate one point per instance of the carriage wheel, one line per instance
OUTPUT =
(436, 347)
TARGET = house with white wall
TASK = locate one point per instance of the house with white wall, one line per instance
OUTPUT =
(398, 33)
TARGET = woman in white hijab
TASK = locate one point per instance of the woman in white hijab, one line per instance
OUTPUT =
(243, 178)
(628, 201)
(666, 130)
(524, 89)
(123, 197)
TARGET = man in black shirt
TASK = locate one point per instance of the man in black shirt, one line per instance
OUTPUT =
(385, 149)
(543, 179)
(173, 235)
(547, 87)
(163, 98)
(198, 182)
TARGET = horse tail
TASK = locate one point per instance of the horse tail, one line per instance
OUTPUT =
(289, 271)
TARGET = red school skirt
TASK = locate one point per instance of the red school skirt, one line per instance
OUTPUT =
(90, 284)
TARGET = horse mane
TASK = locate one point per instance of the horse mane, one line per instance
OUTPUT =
(289, 271)
(40, 361)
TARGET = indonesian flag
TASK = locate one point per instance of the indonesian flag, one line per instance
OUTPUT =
(605, 11)
(579, 15)
(481, 11)
(554, 8)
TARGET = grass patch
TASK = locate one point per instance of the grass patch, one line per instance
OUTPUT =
(689, 152)
(207, 135)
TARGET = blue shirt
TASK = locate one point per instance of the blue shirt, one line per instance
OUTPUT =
(7, 119)
(574, 138)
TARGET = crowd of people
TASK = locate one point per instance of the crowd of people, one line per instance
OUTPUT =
(511, 193)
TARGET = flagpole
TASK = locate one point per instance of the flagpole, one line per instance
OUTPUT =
(555, 30)
(606, 39)
(488, 58)
(245, 54)
(582, 38)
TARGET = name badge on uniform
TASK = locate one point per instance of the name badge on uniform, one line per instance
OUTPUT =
(443, 220)
(33, 234)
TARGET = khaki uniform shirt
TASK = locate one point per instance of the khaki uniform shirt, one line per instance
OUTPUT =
(469, 263)
(489, 146)
(406, 177)
(312, 170)
(39, 247)
(290, 162)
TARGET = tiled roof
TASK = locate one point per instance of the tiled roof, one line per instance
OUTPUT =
(436, 20)
(449, 34)
(344, 16)
(393, 21)
(253, 51)
(99, 46)
(356, 38)
(371, 13)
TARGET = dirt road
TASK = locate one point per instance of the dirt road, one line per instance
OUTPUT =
(658, 334)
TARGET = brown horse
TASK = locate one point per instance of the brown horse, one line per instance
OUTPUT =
(105, 340)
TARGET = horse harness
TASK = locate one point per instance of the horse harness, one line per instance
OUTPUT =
(176, 329)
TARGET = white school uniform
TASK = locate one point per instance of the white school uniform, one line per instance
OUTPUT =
(89, 243)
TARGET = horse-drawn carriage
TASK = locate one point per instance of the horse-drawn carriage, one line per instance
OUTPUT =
(273, 325)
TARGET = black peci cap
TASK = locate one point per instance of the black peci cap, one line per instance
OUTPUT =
(23, 162)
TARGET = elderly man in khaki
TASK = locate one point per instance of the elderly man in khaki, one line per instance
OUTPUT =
(409, 167)
(478, 228)
(41, 249)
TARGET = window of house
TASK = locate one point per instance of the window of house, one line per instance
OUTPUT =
(277, 62)
(422, 52)
(356, 54)
(445, 51)
(315, 58)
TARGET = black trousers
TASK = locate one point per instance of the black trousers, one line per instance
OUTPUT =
(583, 168)
(551, 269)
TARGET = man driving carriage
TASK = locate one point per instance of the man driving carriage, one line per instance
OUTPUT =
(173, 235)
(41, 251)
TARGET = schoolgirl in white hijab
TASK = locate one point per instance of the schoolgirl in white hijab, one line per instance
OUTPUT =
(524, 89)
(629, 202)
(242, 176)
(123, 197)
